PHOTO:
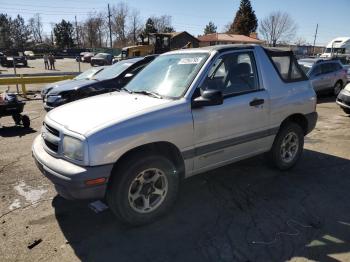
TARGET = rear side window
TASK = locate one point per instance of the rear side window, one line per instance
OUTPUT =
(286, 65)
(328, 68)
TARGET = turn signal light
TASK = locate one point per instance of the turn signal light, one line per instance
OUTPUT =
(97, 181)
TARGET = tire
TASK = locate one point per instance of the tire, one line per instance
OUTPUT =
(278, 154)
(25, 121)
(17, 119)
(131, 186)
(337, 87)
(346, 110)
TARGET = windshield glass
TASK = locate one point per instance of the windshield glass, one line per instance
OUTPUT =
(88, 73)
(305, 67)
(101, 55)
(169, 75)
(113, 71)
(336, 50)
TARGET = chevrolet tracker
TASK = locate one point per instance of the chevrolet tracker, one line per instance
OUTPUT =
(187, 112)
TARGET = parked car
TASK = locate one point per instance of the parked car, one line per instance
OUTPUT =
(86, 75)
(9, 59)
(325, 75)
(101, 59)
(343, 99)
(347, 67)
(29, 55)
(86, 57)
(110, 79)
(187, 112)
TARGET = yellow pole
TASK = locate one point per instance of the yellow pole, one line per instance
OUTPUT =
(24, 91)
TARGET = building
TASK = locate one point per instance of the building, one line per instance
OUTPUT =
(182, 39)
(225, 39)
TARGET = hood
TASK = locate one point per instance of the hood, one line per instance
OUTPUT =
(86, 115)
(70, 85)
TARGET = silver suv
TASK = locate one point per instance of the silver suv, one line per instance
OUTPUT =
(187, 112)
(325, 75)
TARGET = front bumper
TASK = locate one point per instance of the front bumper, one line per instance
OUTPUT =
(69, 179)
(343, 99)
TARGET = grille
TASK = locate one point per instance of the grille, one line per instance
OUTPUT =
(52, 130)
(51, 146)
(51, 138)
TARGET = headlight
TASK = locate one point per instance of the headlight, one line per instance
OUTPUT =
(55, 99)
(73, 148)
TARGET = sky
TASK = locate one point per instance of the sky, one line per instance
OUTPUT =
(333, 17)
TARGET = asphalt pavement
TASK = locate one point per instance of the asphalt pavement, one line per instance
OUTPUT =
(246, 211)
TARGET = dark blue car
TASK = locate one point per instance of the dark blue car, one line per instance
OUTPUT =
(111, 78)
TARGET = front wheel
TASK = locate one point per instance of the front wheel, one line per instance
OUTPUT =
(142, 189)
(287, 147)
(338, 87)
(346, 110)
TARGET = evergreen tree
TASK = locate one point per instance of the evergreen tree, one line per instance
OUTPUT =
(64, 34)
(5, 31)
(210, 28)
(245, 21)
(20, 33)
(150, 27)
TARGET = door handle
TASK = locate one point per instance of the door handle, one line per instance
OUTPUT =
(257, 102)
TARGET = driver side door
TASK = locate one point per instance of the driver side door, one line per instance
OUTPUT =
(238, 127)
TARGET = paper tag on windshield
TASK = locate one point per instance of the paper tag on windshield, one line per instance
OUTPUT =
(190, 61)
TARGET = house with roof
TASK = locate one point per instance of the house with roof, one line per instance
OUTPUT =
(225, 39)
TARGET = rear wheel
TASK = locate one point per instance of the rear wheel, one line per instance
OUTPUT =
(346, 110)
(338, 87)
(143, 189)
(17, 119)
(287, 147)
(25, 121)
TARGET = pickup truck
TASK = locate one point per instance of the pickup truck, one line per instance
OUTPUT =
(187, 112)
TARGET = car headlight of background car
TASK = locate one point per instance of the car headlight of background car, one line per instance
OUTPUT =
(55, 99)
(73, 148)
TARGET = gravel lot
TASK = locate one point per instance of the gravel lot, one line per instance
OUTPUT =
(243, 212)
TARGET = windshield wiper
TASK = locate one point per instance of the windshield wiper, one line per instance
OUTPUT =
(148, 93)
(126, 90)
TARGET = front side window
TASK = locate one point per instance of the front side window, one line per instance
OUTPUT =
(169, 75)
(233, 74)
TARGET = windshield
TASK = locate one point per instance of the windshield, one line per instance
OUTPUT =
(113, 71)
(306, 67)
(101, 55)
(169, 75)
(336, 50)
(88, 73)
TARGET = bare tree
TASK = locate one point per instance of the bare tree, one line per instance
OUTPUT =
(93, 31)
(120, 14)
(299, 41)
(276, 27)
(163, 23)
(135, 26)
(36, 28)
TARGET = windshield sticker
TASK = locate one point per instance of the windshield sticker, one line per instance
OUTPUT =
(190, 61)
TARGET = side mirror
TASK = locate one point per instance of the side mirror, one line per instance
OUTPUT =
(209, 97)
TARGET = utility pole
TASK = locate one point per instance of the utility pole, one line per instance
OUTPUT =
(313, 52)
(110, 26)
(76, 30)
